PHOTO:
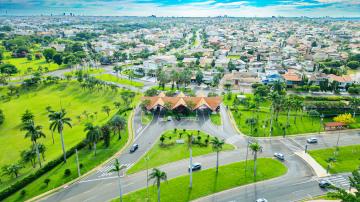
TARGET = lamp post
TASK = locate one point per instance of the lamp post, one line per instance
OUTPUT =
(147, 176)
(321, 121)
(337, 142)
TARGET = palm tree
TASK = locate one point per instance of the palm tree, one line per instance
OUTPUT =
(50, 110)
(13, 169)
(118, 123)
(34, 133)
(289, 105)
(93, 134)
(190, 139)
(58, 121)
(157, 175)
(26, 117)
(298, 104)
(117, 168)
(255, 148)
(106, 109)
(217, 146)
(274, 97)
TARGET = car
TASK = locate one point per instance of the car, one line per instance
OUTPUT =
(194, 167)
(312, 140)
(279, 156)
(169, 118)
(134, 148)
(261, 200)
(324, 184)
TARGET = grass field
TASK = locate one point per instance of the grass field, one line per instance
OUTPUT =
(82, 106)
(22, 64)
(171, 151)
(347, 159)
(112, 78)
(146, 117)
(234, 57)
(207, 182)
(215, 119)
(86, 157)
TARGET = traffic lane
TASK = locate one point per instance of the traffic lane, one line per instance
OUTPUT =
(297, 175)
(330, 140)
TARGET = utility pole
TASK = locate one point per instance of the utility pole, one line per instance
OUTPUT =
(77, 162)
(147, 176)
(321, 121)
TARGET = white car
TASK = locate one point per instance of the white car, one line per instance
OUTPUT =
(261, 200)
(312, 140)
(279, 156)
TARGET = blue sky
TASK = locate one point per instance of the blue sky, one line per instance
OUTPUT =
(191, 8)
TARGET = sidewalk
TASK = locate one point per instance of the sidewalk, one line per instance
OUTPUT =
(317, 168)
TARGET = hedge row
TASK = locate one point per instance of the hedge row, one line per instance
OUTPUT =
(50, 165)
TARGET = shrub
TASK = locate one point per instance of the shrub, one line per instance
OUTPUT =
(47, 181)
(67, 172)
(23, 193)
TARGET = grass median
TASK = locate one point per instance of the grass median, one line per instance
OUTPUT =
(346, 159)
(170, 151)
(112, 78)
(207, 182)
(215, 119)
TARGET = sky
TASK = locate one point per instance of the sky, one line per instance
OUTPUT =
(186, 8)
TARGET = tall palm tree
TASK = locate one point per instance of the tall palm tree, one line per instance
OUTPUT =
(190, 140)
(217, 146)
(289, 105)
(354, 104)
(117, 168)
(34, 133)
(93, 134)
(298, 104)
(157, 175)
(58, 121)
(274, 97)
(255, 148)
(50, 110)
(118, 123)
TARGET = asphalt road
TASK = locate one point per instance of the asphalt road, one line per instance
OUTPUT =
(298, 183)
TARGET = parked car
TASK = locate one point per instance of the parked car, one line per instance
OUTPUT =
(279, 156)
(312, 140)
(134, 148)
(324, 184)
(195, 166)
(261, 200)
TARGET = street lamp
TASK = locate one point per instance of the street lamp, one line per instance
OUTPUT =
(147, 176)
(321, 121)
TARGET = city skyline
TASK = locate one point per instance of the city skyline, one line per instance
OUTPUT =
(184, 8)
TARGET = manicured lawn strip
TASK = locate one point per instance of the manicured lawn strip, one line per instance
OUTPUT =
(347, 159)
(22, 64)
(215, 119)
(68, 95)
(206, 182)
(86, 157)
(146, 117)
(172, 152)
(112, 78)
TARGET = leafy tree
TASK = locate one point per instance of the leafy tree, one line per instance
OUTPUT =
(58, 121)
(217, 146)
(345, 118)
(151, 92)
(105, 131)
(144, 104)
(353, 64)
(58, 58)
(13, 169)
(199, 77)
(49, 54)
(255, 148)
(343, 194)
(47, 181)
(117, 168)
(354, 104)
(2, 117)
(29, 155)
(34, 132)
(157, 175)
(8, 69)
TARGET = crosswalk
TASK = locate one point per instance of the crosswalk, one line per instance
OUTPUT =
(338, 181)
(105, 170)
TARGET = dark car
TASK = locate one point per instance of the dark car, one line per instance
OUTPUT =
(279, 156)
(312, 140)
(324, 184)
(195, 166)
(134, 148)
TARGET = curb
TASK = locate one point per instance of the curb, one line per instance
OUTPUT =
(130, 139)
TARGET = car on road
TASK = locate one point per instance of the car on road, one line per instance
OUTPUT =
(169, 118)
(324, 184)
(195, 166)
(134, 148)
(261, 200)
(312, 140)
(279, 156)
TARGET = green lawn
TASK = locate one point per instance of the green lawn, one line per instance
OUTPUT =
(170, 151)
(215, 119)
(86, 157)
(234, 57)
(347, 159)
(82, 106)
(23, 65)
(207, 182)
(112, 78)
(146, 117)
(90, 71)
